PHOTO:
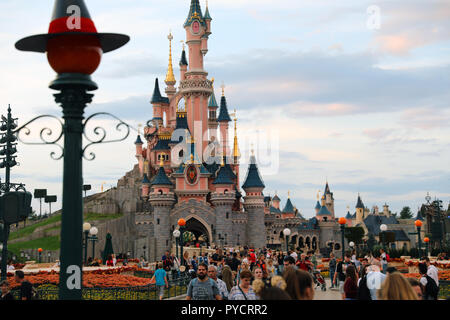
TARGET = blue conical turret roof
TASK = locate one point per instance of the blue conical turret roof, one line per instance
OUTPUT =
(288, 208)
(253, 179)
(138, 140)
(223, 177)
(318, 206)
(348, 216)
(324, 211)
(161, 178)
(145, 180)
(207, 16)
(195, 13)
(183, 61)
(212, 101)
(157, 97)
(223, 115)
(359, 204)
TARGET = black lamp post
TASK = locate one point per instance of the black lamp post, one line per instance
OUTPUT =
(419, 224)
(86, 229)
(181, 224)
(93, 238)
(74, 51)
(287, 233)
(176, 234)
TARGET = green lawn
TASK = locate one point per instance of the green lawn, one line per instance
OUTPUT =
(30, 229)
(87, 217)
(49, 243)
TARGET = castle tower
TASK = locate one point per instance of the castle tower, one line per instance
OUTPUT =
(386, 211)
(170, 77)
(288, 211)
(223, 199)
(254, 205)
(224, 119)
(162, 200)
(160, 106)
(359, 210)
(195, 87)
(140, 158)
(276, 201)
(212, 119)
(329, 199)
(318, 206)
(183, 64)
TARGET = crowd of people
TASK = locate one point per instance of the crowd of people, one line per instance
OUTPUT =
(249, 274)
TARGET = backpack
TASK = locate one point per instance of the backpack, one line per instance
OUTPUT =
(363, 290)
(388, 259)
(431, 289)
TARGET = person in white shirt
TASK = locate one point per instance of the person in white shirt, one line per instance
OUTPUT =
(374, 279)
(212, 273)
(432, 271)
(294, 255)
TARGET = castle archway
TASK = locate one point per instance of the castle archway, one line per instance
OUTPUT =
(200, 229)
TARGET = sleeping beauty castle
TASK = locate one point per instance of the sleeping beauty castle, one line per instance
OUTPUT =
(188, 167)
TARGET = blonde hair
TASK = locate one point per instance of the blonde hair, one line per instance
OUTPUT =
(279, 282)
(258, 286)
(397, 287)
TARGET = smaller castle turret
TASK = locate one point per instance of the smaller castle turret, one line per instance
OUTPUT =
(359, 210)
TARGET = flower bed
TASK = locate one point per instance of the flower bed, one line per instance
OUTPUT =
(438, 264)
(108, 278)
(90, 280)
(443, 275)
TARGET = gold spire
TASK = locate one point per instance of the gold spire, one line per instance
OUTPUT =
(161, 162)
(170, 78)
(289, 194)
(192, 158)
(236, 152)
(318, 195)
(222, 163)
(184, 46)
(223, 89)
(139, 129)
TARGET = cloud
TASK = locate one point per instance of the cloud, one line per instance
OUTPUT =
(405, 27)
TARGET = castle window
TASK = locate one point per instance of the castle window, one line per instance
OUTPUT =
(181, 154)
(157, 221)
(160, 191)
(228, 215)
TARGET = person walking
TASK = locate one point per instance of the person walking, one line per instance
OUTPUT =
(375, 279)
(396, 287)
(223, 290)
(431, 289)
(351, 283)
(340, 273)
(432, 271)
(160, 277)
(332, 266)
(202, 287)
(26, 288)
(6, 292)
(243, 291)
(363, 290)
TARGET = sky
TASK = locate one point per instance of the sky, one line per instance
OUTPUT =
(352, 92)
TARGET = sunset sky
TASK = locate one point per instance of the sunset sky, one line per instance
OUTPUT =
(366, 108)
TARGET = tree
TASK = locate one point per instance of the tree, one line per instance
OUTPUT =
(406, 213)
(354, 234)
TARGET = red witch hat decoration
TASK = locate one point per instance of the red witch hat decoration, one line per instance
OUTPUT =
(72, 17)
